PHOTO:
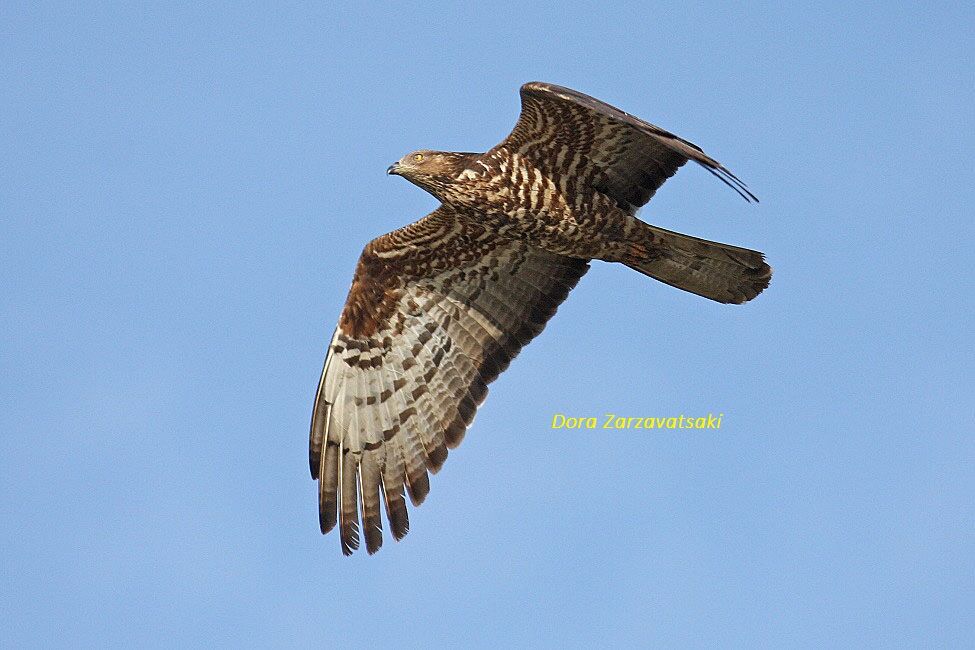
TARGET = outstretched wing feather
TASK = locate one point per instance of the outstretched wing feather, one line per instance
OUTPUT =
(424, 330)
(567, 132)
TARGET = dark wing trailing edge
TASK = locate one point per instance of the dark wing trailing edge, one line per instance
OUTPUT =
(436, 311)
(565, 131)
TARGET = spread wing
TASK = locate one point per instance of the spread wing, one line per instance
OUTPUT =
(566, 132)
(436, 311)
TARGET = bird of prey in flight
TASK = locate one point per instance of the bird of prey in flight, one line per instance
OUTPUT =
(438, 308)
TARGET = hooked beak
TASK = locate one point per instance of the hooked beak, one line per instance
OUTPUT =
(393, 170)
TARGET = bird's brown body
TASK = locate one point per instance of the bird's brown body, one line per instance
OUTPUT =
(555, 214)
(437, 309)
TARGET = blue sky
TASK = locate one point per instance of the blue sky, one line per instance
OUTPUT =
(184, 191)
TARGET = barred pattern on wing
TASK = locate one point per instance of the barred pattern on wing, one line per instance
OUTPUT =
(436, 311)
(586, 141)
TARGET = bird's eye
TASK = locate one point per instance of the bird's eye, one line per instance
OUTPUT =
(418, 157)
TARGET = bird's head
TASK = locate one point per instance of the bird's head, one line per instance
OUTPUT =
(435, 171)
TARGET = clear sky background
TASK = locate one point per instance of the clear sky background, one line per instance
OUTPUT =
(184, 192)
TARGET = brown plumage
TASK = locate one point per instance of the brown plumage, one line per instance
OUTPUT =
(438, 308)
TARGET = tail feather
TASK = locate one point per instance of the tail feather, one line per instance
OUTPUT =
(724, 273)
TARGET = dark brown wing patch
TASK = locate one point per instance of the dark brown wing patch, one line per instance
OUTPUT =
(565, 131)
